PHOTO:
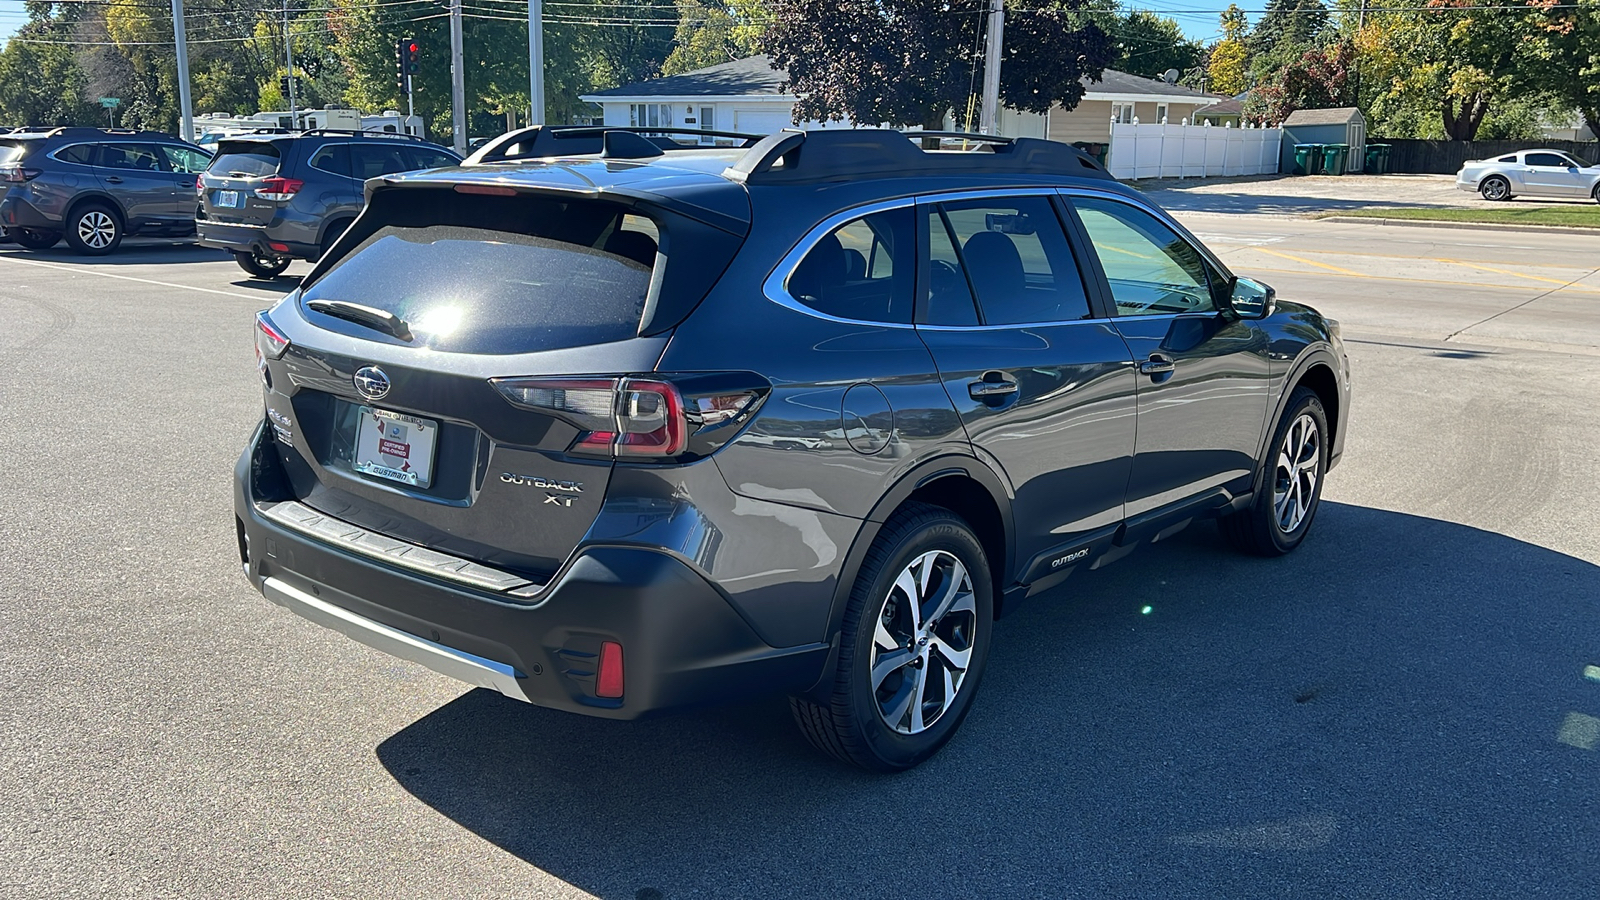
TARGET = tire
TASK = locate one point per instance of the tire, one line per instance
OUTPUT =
(1494, 189)
(261, 266)
(1595, 193)
(1281, 515)
(34, 239)
(94, 229)
(335, 231)
(854, 723)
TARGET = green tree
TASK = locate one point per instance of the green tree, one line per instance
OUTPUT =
(909, 62)
(1443, 64)
(1564, 45)
(1149, 45)
(42, 84)
(711, 32)
(1323, 77)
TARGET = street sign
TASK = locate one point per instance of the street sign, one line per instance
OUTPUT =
(110, 102)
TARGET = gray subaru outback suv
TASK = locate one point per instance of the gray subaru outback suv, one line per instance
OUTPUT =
(274, 197)
(95, 186)
(615, 428)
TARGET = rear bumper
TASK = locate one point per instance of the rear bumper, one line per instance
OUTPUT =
(18, 213)
(250, 239)
(683, 644)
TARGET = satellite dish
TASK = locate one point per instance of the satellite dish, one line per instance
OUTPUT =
(1170, 76)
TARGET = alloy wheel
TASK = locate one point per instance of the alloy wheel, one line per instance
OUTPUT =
(96, 229)
(922, 644)
(1295, 479)
(1494, 189)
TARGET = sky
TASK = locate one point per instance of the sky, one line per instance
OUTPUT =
(1197, 18)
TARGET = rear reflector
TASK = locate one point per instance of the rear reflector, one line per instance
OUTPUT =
(608, 683)
(281, 248)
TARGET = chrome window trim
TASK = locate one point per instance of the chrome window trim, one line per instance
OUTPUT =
(68, 162)
(1167, 220)
(311, 165)
(776, 285)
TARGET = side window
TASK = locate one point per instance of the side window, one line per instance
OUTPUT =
(332, 158)
(1014, 256)
(423, 158)
(861, 270)
(1150, 268)
(948, 295)
(1547, 159)
(182, 159)
(1510, 159)
(373, 160)
(82, 154)
(130, 156)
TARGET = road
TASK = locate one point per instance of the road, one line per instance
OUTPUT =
(1399, 709)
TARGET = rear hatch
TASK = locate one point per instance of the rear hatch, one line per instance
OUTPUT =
(242, 185)
(454, 365)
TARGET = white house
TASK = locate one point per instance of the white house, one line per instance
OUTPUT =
(747, 95)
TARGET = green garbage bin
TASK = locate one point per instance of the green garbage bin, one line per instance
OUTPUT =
(1333, 158)
(1302, 159)
(1314, 159)
(1377, 161)
(1094, 149)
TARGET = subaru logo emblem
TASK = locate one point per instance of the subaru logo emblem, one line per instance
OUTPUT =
(371, 382)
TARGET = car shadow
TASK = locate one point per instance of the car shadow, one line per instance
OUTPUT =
(132, 252)
(1397, 709)
(283, 284)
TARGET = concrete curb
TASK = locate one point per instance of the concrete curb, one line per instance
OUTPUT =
(1492, 226)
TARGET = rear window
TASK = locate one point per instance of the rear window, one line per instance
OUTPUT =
(582, 279)
(245, 159)
(11, 151)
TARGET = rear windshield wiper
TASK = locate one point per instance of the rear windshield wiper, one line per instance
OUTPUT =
(381, 320)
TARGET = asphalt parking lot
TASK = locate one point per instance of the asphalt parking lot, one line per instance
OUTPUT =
(1399, 709)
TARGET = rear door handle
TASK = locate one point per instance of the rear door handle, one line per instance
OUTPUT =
(987, 390)
(1157, 365)
(113, 179)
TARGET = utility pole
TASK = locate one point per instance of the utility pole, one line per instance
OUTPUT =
(458, 87)
(989, 123)
(536, 61)
(288, 49)
(184, 108)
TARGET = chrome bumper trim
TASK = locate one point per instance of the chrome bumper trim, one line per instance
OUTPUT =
(296, 516)
(457, 664)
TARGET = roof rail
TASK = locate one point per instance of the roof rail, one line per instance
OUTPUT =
(397, 135)
(794, 156)
(584, 140)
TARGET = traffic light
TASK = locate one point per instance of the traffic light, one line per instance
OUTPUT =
(407, 62)
(283, 85)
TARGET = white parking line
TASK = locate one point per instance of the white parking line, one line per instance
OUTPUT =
(1248, 240)
(89, 271)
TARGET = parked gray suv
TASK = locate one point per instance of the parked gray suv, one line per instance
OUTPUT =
(275, 197)
(95, 186)
(614, 427)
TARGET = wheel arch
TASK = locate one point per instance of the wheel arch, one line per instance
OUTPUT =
(962, 484)
(97, 197)
(1315, 370)
(328, 226)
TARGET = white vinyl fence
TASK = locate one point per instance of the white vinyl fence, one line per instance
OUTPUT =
(1191, 151)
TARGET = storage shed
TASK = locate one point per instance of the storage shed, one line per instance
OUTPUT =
(1340, 125)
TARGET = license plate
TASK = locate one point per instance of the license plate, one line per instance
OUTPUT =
(395, 446)
(228, 199)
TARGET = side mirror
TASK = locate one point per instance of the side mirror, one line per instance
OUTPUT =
(1250, 299)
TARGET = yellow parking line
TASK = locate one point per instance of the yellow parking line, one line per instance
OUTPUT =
(1559, 281)
(1497, 262)
(1309, 262)
(1459, 284)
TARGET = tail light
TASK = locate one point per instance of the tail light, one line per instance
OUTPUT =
(18, 174)
(200, 184)
(270, 344)
(680, 418)
(279, 188)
